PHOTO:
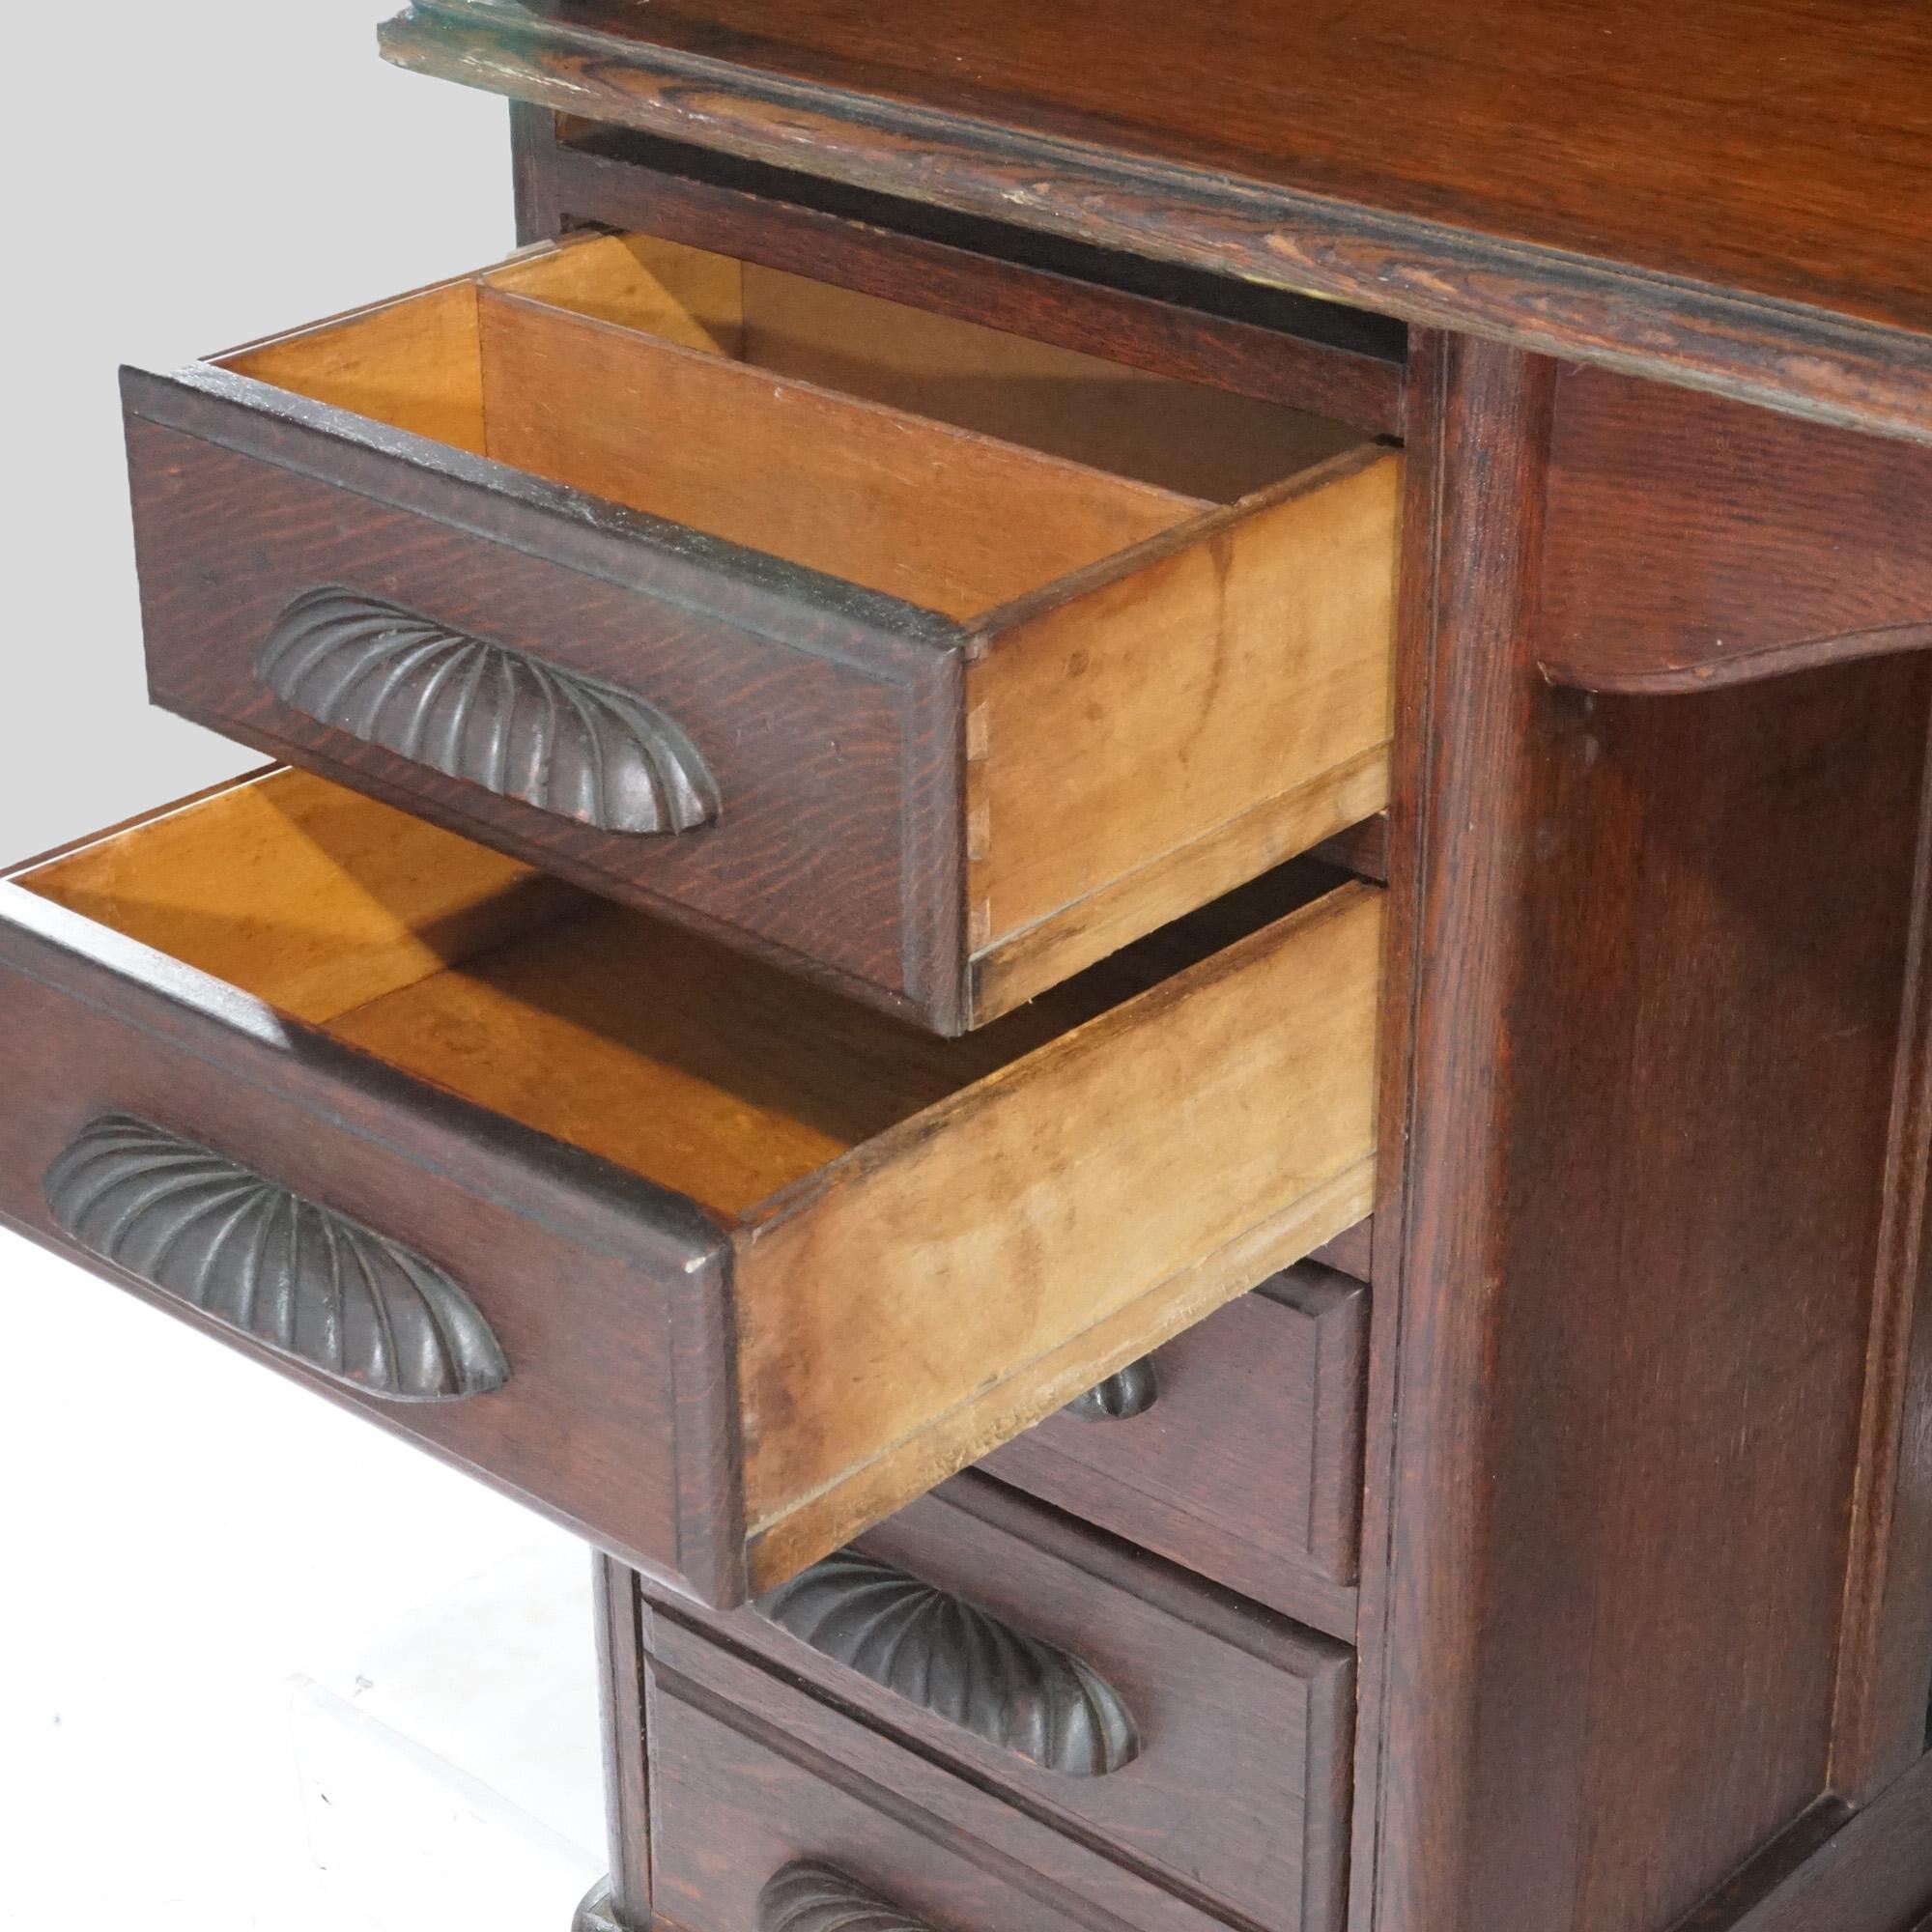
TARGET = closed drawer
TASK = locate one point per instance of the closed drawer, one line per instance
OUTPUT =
(753, 1779)
(714, 1264)
(1182, 1729)
(900, 651)
(1235, 1449)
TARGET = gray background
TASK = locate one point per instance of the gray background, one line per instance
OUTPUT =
(196, 174)
(182, 1533)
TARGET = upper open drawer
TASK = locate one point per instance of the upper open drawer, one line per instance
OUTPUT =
(714, 1264)
(930, 661)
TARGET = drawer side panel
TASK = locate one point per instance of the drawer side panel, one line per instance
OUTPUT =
(959, 1279)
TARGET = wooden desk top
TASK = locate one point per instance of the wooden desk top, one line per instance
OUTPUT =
(1736, 196)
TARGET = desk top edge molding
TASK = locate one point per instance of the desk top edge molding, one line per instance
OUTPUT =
(1795, 357)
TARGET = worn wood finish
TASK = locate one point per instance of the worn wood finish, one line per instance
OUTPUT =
(1247, 1467)
(1269, 345)
(1625, 1286)
(1791, 545)
(1237, 1788)
(1467, 167)
(891, 1313)
(858, 638)
(753, 1774)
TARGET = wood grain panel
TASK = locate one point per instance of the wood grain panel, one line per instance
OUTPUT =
(1196, 441)
(1874, 1874)
(1268, 344)
(312, 897)
(1791, 545)
(417, 366)
(1657, 975)
(945, 519)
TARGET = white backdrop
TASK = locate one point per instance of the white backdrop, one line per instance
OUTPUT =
(184, 1530)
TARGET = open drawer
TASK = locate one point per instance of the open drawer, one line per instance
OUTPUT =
(711, 1263)
(907, 654)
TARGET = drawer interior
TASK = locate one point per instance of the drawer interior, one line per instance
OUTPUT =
(941, 462)
(705, 1071)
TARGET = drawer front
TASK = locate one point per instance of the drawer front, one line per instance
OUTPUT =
(138, 1112)
(766, 1804)
(1197, 1736)
(1236, 1450)
(826, 743)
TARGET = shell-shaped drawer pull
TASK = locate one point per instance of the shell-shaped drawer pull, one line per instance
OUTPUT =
(261, 1260)
(1126, 1394)
(502, 718)
(959, 1661)
(813, 1897)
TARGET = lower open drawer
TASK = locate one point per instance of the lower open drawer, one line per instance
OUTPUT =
(712, 1264)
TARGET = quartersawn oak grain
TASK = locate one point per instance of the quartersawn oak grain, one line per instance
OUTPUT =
(810, 1285)
(920, 598)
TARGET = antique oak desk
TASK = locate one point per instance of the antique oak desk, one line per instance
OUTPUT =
(1205, 725)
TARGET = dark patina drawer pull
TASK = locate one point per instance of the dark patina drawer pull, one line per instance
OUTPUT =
(1124, 1395)
(501, 718)
(813, 1897)
(954, 1660)
(252, 1254)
